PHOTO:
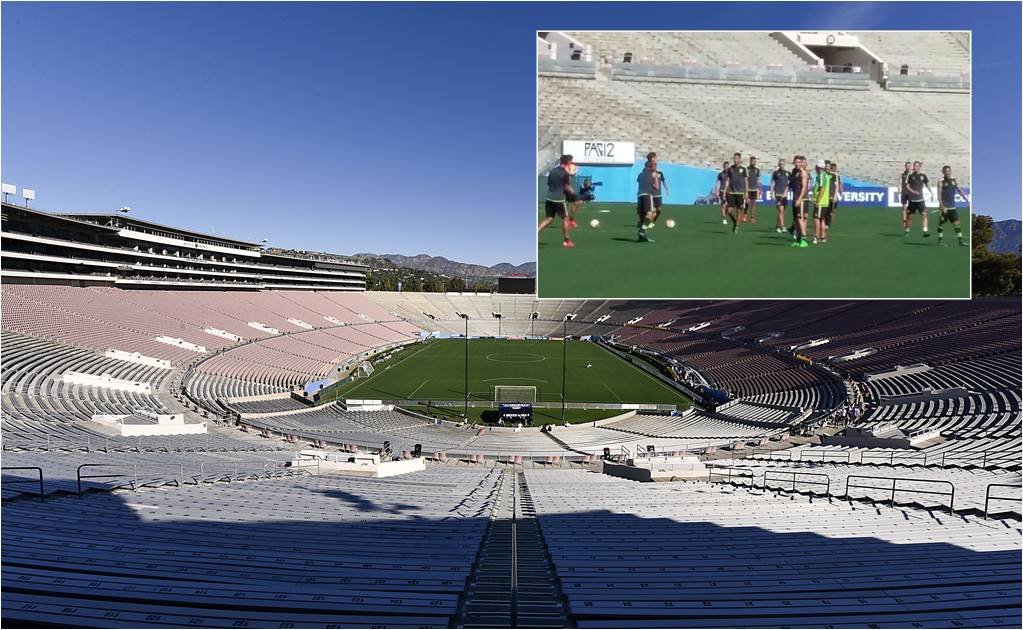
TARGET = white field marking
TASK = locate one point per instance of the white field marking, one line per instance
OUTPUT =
(514, 378)
(608, 387)
(603, 211)
(412, 394)
(370, 379)
(490, 356)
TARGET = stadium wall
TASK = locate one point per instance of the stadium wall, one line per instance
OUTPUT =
(689, 185)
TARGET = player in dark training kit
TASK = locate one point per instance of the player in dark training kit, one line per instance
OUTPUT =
(779, 187)
(558, 190)
(947, 189)
(907, 169)
(647, 180)
(799, 184)
(915, 183)
(753, 186)
(736, 180)
(719, 190)
(659, 185)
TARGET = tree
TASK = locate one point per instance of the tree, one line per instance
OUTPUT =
(993, 274)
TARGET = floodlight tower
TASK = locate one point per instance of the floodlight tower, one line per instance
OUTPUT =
(532, 320)
(497, 316)
(564, 362)
(465, 316)
(28, 194)
(8, 189)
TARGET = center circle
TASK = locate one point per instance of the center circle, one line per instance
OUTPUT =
(516, 358)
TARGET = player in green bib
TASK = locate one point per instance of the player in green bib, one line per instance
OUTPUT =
(822, 200)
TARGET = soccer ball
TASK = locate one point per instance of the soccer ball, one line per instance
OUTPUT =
(669, 223)
(594, 223)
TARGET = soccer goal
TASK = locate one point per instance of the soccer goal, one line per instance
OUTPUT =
(365, 369)
(514, 393)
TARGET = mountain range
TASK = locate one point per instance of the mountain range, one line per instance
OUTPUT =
(451, 268)
(1007, 237)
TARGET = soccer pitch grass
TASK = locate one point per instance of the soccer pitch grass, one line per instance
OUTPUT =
(434, 371)
(866, 256)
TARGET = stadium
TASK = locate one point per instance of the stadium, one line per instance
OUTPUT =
(868, 101)
(200, 433)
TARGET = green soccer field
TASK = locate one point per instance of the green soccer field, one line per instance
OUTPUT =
(866, 256)
(434, 371)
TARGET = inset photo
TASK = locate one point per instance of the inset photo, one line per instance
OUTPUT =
(753, 164)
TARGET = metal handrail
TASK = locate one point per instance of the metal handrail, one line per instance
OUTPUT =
(825, 454)
(770, 452)
(988, 497)
(42, 493)
(711, 471)
(134, 468)
(895, 482)
(794, 473)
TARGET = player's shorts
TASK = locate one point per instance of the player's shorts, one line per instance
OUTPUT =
(781, 200)
(644, 204)
(657, 202)
(798, 211)
(555, 209)
(916, 206)
(737, 200)
(754, 195)
(950, 215)
(821, 212)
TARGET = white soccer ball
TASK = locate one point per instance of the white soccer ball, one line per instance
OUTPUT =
(669, 223)
(594, 223)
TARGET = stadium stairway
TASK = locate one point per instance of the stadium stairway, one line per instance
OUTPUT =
(513, 583)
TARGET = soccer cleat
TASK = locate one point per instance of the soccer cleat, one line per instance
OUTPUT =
(724, 221)
(779, 230)
(803, 243)
(643, 238)
(794, 244)
(649, 226)
(824, 240)
(927, 234)
(568, 244)
(815, 240)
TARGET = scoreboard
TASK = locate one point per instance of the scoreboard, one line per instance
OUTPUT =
(516, 284)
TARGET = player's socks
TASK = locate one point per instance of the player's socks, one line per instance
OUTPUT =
(926, 233)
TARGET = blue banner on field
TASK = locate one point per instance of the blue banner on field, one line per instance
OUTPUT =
(694, 185)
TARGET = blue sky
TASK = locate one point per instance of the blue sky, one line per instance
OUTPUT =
(355, 127)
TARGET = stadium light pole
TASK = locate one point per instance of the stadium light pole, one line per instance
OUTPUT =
(465, 411)
(564, 362)
(498, 317)
(532, 322)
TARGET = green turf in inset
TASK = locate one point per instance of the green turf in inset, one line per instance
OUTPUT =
(866, 256)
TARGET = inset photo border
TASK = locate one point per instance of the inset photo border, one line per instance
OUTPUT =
(753, 164)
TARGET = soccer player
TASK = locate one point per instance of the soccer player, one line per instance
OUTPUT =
(572, 198)
(799, 183)
(907, 169)
(822, 201)
(947, 189)
(719, 190)
(660, 183)
(837, 196)
(915, 183)
(753, 186)
(647, 180)
(735, 189)
(780, 185)
(558, 187)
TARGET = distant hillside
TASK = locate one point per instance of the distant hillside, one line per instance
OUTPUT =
(1007, 237)
(451, 268)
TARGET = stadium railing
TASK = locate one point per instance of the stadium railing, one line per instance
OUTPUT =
(927, 83)
(988, 498)
(567, 68)
(767, 76)
(39, 471)
(895, 487)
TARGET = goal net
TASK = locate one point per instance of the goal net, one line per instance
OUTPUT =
(514, 393)
(365, 369)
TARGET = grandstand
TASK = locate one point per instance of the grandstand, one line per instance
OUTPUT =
(235, 527)
(691, 121)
